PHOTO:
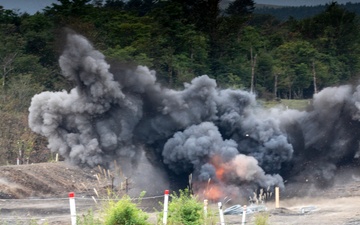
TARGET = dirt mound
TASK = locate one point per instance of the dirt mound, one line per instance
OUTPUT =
(44, 180)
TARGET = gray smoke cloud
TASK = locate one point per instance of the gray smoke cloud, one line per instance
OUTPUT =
(122, 113)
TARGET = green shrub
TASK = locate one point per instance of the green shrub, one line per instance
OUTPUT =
(124, 212)
(184, 209)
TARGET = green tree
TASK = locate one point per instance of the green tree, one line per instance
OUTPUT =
(296, 59)
(38, 33)
(335, 32)
(265, 78)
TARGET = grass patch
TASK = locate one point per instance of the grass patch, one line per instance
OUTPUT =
(298, 104)
(261, 219)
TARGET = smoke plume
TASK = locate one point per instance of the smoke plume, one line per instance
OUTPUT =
(224, 138)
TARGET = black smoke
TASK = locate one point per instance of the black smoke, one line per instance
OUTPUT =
(122, 113)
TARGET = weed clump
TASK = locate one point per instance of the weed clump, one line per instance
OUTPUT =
(124, 212)
(185, 209)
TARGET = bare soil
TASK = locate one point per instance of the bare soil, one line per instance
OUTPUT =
(38, 194)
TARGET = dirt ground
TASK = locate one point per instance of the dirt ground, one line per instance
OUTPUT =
(38, 194)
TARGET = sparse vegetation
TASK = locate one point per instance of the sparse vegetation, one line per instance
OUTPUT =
(261, 219)
(299, 104)
(88, 219)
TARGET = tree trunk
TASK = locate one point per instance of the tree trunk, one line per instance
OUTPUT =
(314, 76)
(7, 66)
(290, 92)
(275, 85)
(253, 63)
(170, 74)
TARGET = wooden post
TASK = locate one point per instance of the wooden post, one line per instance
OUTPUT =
(277, 198)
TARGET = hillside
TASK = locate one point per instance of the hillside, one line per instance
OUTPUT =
(44, 180)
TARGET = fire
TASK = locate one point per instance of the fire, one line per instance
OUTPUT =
(216, 188)
(220, 173)
(220, 167)
(213, 192)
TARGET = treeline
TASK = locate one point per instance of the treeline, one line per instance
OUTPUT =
(283, 13)
(185, 39)
(180, 39)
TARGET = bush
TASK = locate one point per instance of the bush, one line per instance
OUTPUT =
(124, 212)
(262, 219)
(185, 209)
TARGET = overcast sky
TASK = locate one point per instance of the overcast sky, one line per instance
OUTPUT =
(302, 2)
(32, 6)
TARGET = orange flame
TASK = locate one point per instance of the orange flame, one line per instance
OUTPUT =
(220, 167)
(213, 192)
(220, 172)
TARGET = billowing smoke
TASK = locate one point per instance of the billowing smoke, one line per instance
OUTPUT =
(223, 138)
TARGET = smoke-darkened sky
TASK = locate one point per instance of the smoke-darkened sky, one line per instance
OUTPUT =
(32, 6)
(302, 2)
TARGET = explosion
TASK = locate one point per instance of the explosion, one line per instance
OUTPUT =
(223, 137)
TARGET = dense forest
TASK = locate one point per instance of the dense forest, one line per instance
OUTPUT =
(283, 13)
(180, 40)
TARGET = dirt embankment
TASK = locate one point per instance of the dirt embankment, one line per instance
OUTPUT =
(45, 180)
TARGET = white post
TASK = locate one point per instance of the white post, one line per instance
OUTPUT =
(222, 222)
(17, 161)
(72, 208)
(205, 209)
(243, 216)
(166, 203)
(57, 157)
(277, 197)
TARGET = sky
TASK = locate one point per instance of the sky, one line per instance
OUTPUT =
(29, 6)
(302, 2)
(32, 6)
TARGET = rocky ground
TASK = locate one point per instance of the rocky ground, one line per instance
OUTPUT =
(38, 194)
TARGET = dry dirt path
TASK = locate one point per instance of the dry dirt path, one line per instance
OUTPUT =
(41, 211)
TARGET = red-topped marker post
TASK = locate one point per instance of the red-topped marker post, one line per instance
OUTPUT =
(166, 204)
(72, 208)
